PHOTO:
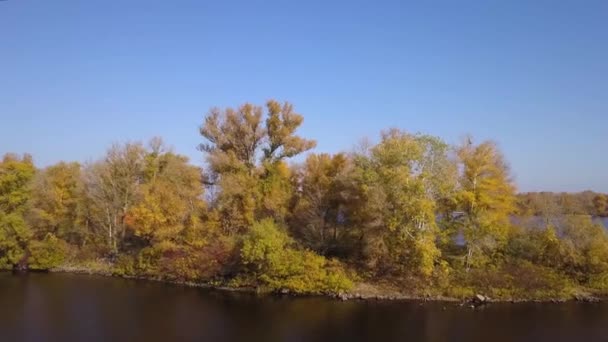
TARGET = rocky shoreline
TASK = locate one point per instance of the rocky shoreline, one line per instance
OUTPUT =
(476, 301)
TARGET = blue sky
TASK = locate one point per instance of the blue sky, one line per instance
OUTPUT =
(76, 76)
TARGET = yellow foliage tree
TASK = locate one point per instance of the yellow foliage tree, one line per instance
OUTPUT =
(245, 157)
(486, 197)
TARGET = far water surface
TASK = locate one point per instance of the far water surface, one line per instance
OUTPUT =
(63, 307)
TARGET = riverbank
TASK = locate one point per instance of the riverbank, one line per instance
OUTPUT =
(364, 291)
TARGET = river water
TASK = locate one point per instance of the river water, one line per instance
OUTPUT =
(63, 307)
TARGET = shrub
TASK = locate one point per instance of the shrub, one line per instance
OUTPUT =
(14, 236)
(46, 254)
(513, 279)
(173, 261)
(267, 252)
(599, 282)
(125, 266)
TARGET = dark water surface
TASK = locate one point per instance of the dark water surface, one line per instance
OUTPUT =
(62, 307)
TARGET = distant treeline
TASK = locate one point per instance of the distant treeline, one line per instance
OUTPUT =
(366, 219)
(551, 203)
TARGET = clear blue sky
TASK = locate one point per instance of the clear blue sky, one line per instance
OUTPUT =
(76, 76)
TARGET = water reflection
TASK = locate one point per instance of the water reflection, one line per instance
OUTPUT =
(56, 307)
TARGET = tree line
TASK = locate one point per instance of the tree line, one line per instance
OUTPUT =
(409, 212)
(550, 203)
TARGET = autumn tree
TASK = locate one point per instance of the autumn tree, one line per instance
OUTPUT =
(324, 203)
(584, 248)
(402, 178)
(110, 187)
(542, 205)
(600, 203)
(486, 198)
(548, 205)
(55, 203)
(246, 149)
(165, 219)
(571, 204)
(575, 246)
(169, 198)
(16, 174)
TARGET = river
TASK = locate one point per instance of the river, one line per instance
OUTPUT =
(64, 307)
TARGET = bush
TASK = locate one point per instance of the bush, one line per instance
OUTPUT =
(512, 279)
(125, 266)
(46, 254)
(168, 260)
(599, 282)
(275, 264)
(14, 237)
